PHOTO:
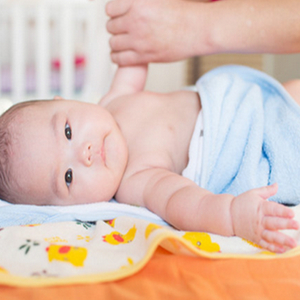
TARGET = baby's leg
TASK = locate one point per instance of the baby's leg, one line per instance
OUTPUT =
(293, 88)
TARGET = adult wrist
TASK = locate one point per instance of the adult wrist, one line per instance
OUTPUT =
(202, 29)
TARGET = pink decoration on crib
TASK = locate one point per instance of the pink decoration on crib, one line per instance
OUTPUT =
(30, 84)
(79, 61)
(55, 64)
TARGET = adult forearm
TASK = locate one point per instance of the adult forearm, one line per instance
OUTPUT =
(252, 26)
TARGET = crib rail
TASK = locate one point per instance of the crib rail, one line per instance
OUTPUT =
(50, 47)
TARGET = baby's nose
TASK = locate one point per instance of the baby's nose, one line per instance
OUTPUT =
(85, 154)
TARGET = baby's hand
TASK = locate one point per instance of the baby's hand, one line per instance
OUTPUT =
(259, 221)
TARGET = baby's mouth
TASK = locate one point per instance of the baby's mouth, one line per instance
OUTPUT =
(102, 152)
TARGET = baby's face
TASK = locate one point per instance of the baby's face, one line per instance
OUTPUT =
(67, 152)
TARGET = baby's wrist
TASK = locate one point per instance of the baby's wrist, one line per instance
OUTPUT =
(234, 215)
(223, 203)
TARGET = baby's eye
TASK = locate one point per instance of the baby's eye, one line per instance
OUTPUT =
(68, 131)
(69, 177)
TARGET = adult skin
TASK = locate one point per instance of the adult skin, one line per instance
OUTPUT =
(170, 30)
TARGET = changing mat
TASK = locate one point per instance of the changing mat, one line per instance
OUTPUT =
(86, 252)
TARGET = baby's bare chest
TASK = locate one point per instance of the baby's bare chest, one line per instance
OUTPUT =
(158, 129)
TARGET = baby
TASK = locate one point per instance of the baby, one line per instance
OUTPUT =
(134, 146)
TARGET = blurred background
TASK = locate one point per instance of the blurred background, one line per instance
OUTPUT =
(55, 47)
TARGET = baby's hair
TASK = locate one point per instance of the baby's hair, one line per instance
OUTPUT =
(6, 138)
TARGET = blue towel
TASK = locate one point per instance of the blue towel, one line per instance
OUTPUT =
(251, 134)
(17, 214)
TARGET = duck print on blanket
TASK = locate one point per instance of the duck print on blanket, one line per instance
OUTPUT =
(151, 228)
(74, 255)
(106, 250)
(202, 241)
(3, 271)
(117, 238)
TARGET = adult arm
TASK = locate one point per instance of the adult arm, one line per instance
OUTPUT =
(169, 30)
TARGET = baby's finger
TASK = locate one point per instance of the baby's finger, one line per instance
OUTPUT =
(267, 191)
(272, 247)
(117, 8)
(275, 223)
(275, 209)
(278, 238)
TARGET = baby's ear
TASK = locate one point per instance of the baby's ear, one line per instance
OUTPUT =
(58, 98)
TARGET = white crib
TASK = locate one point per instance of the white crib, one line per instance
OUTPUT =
(53, 47)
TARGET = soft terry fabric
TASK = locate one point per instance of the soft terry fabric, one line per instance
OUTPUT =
(251, 134)
(16, 214)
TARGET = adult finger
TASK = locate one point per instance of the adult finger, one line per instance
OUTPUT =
(126, 58)
(116, 8)
(115, 26)
(120, 42)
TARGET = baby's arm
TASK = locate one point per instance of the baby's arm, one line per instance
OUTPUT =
(127, 80)
(188, 207)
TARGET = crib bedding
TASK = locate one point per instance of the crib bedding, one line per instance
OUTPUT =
(129, 255)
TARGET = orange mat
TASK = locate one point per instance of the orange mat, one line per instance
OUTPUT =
(169, 276)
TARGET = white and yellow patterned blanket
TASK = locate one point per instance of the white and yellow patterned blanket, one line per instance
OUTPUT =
(81, 252)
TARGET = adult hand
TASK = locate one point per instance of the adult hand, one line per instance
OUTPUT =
(149, 30)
